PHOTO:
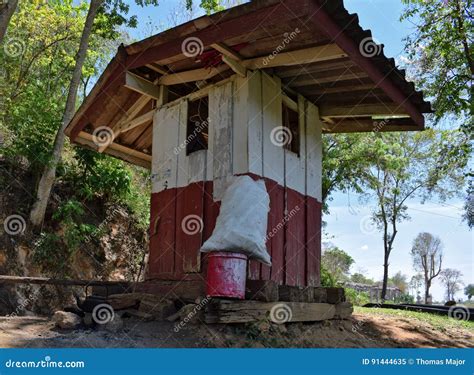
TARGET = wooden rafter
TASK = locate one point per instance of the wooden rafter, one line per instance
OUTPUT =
(314, 80)
(114, 149)
(139, 84)
(227, 51)
(201, 74)
(368, 125)
(361, 110)
(235, 65)
(301, 56)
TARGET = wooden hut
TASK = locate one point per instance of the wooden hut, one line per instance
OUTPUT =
(246, 91)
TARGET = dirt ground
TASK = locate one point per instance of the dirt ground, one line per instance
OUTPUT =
(362, 331)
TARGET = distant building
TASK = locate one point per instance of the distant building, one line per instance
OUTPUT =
(375, 291)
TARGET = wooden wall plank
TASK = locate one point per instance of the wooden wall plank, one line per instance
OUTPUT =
(273, 154)
(255, 123)
(295, 238)
(240, 130)
(314, 152)
(220, 118)
(163, 228)
(165, 139)
(276, 226)
(313, 241)
(189, 227)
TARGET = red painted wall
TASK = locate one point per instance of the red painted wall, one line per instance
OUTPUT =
(293, 241)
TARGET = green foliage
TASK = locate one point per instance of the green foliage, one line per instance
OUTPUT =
(362, 279)
(357, 298)
(337, 262)
(399, 280)
(327, 280)
(404, 298)
(441, 50)
(469, 291)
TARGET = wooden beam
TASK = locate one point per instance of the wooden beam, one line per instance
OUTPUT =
(314, 80)
(341, 89)
(235, 65)
(114, 149)
(290, 103)
(192, 75)
(302, 56)
(131, 113)
(361, 110)
(225, 311)
(227, 51)
(141, 120)
(367, 125)
(157, 68)
(139, 84)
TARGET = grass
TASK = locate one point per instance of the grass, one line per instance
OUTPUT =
(438, 322)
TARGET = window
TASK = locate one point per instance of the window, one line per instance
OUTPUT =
(291, 122)
(197, 129)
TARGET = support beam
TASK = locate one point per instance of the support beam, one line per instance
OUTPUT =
(157, 68)
(132, 112)
(192, 75)
(235, 65)
(368, 125)
(361, 110)
(141, 120)
(290, 103)
(136, 83)
(301, 56)
(313, 80)
(227, 51)
(114, 149)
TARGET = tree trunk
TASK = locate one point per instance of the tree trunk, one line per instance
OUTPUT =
(427, 291)
(385, 278)
(6, 13)
(47, 179)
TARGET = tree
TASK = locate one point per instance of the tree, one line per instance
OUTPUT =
(469, 291)
(415, 283)
(399, 280)
(361, 279)
(442, 51)
(105, 16)
(110, 16)
(427, 255)
(337, 262)
(406, 166)
(451, 279)
(6, 12)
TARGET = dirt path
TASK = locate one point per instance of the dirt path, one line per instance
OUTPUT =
(362, 331)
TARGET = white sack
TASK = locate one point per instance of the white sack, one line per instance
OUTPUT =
(241, 226)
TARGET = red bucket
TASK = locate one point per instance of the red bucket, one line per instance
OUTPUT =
(226, 274)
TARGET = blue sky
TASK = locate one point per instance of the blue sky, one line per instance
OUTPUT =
(344, 222)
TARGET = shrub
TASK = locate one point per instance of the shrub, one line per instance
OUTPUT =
(357, 298)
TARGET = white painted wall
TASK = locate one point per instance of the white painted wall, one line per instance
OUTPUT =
(243, 112)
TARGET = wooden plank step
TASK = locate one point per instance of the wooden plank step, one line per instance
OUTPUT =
(225, 311)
